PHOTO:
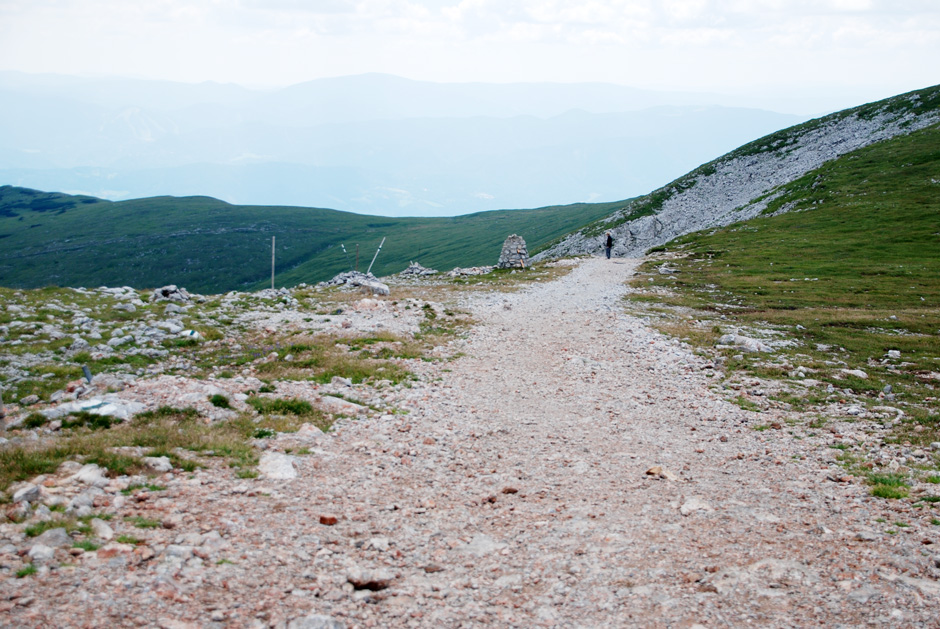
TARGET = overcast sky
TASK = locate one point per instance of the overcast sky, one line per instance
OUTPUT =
(874, 48)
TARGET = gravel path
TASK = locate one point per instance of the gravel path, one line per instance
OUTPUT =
(517, 492)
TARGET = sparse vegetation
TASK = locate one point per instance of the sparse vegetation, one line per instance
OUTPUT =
(854, 311)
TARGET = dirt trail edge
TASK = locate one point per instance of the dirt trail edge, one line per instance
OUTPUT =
(516, 492)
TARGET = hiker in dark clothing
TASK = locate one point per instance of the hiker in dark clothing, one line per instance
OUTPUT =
(608, 244)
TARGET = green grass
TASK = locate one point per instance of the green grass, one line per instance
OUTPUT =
(26, 571)
(210, 246)
(68, 523)
(268, 406)
(889, 486)
(159, 432)
(219, 401)
(143, 523)
(135, 486)
(321, 358)
(848, 275)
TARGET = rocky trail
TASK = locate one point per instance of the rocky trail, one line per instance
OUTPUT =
(572, 468)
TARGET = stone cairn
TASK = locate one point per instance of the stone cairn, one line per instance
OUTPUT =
(515, 255)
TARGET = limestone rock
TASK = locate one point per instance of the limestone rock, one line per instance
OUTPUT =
(277, 466)
(40, 553)
(315, 621)
(91, 474)
(744, 342)
(416, 270)
(28, 493)
(56, 538)
(101, 529)
(693, 504)
(171, 293)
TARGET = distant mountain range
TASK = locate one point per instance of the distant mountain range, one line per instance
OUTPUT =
(210, 246)
(373, 144)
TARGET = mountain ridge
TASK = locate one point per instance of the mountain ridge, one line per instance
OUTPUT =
(740, 184)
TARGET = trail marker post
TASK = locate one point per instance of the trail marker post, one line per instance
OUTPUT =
(375, 256)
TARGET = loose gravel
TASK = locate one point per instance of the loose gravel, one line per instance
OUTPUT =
(569, 467)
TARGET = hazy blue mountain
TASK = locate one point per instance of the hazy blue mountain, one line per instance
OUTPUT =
(373, 144)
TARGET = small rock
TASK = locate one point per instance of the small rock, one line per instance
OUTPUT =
(41, 553)
(374, 580)
(316, 621)
(91, 474)
(858, 373)
(658, 472)
(101, 529)
(158, 463)
(277, 466)
(866, 536)
(694, 504)
(28, 493)
(482, 545)
(55, 538)
(328, 520)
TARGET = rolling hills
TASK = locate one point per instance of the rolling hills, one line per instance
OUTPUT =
(211, 246)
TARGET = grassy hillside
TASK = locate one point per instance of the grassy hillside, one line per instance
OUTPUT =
(905, 107)
(850, 273)
(210, 246)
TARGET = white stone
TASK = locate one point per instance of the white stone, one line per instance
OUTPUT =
(694, 504)
(91, 474)
(28, 493)
(158, 463)
(277, 466)
(40, 553)
(101, 529)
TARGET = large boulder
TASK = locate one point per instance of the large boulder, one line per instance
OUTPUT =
(171, 293)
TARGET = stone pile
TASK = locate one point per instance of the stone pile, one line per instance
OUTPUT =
(171, 293)
(367, 282)
(416, 270)
(514, 255)
(473, 270)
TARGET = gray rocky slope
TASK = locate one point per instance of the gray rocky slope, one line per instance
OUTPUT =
(739, 185)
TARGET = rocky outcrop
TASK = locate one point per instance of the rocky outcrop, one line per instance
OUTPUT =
(739, 185)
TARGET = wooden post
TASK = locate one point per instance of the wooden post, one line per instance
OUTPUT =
(272, 262)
